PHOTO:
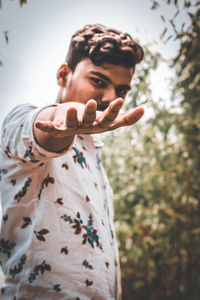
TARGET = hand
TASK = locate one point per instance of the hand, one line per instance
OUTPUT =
(73, 118)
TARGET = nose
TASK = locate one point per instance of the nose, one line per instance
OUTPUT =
(109, 95)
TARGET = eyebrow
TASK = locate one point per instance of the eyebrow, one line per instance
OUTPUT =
(106, 78)
(101, 75)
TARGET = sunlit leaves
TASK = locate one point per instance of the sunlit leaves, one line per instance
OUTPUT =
(154, 171)
(163, 33)
(155, 5)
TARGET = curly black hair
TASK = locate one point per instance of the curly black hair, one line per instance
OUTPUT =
(103, 45)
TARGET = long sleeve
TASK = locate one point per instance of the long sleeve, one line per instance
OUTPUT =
(18, 139)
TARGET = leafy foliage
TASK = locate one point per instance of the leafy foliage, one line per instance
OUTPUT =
(154, 171)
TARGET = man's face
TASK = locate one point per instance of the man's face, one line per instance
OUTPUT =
(102, 83)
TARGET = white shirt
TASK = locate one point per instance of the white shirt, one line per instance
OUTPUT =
(57, 238)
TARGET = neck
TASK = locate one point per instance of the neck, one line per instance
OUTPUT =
(60, 96)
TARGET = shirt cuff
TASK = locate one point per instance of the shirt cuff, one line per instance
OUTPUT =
(41, 151)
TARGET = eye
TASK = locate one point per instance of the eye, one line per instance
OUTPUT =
(98, 82)
(121, 92)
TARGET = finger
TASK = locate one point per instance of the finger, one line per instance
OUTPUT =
(111, 112)
(128, 118)
(72, 119)
(45, 126)
(49, 128)
(134, 116)
(89, 114)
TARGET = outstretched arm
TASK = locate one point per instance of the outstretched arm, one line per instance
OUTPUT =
(55, 127)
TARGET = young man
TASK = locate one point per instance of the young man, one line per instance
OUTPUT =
(57, 239)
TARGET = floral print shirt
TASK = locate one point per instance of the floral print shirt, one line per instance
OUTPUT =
(57, 235)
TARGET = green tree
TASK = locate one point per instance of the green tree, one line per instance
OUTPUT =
(154, 171)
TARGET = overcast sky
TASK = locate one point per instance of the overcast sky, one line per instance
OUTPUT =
(39, 34)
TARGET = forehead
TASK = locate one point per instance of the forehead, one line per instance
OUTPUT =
(117, 73)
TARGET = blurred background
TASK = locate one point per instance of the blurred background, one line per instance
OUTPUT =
(154, 166)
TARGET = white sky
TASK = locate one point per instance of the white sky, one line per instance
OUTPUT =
(39, 34)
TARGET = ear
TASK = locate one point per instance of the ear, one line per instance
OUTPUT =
(62, 74)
